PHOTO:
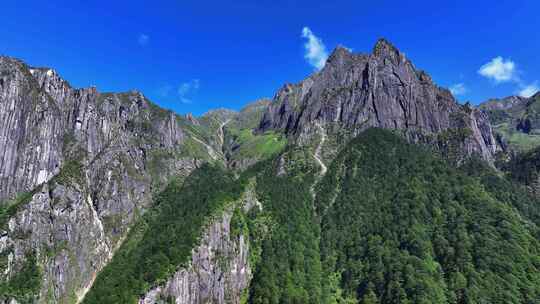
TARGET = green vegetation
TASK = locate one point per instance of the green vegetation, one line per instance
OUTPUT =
(203, 131)
(518, 124)
(260, 146)
(525, 169)
(72, 171)
(399, 225)
(157, 113)
(251, 115)
(4, 258)
(239, 223)
(509, 190)
(162, 242)
(391, 222)
(289, 269)
(497, 116)
(450, 141)
(194, 149)
(24, 285)
(520, 141)
(10, 208)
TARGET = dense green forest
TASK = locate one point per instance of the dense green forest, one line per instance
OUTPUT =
(25, 284)
(163, 239)
(525, 169)
(390, 222)
(290, 268)
(399, 225)
(508, 189)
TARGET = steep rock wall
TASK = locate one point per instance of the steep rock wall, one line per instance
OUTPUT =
(219, 270)
(383, 89)
(89, 163)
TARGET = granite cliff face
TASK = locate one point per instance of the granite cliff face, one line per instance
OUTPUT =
(220, 269)
(86, 164)
(30, 129)
(383, 89)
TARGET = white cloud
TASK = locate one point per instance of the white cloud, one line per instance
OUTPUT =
(165, 90)
(143, 39)
(500, 70)
(458, 89)
(529, 90)
(316, 53)
(187, 89)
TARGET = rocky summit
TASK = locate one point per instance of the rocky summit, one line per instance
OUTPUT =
(364, 183)
(383, 89)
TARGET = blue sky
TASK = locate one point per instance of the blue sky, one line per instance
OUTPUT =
(191, 56)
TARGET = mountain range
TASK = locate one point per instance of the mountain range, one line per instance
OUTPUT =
(364, 183)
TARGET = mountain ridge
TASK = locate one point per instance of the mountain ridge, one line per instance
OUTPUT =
(515, 120)
(382, 89)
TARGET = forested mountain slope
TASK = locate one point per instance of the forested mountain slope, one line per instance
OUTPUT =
(78, 167)
(399, 225)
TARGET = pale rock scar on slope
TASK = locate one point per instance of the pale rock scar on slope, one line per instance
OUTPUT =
(220, 132)
(317, 154)
(211, 151)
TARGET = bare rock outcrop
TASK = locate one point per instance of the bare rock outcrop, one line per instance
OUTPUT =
(87, 164)
(382, 89)
(219, 270)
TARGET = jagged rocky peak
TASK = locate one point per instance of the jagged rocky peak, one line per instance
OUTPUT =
(384, 49)
(355, 91)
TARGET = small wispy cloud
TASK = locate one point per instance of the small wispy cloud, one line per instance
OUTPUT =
(164, 91)
(458, 89)
(316, 53)
(143, 39)
(499, 70)
(529, 90)
(186, 90)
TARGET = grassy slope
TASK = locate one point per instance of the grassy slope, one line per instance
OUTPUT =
(243, 143)
(259, 146)
(505, 121)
